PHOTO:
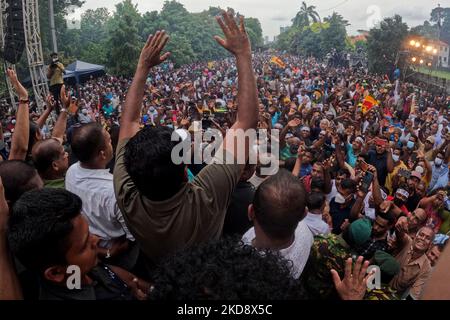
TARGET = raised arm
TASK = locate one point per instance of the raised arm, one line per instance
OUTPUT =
(237, 42)
(61, 123)
(150, 57)
(44, 116)
(21, 136)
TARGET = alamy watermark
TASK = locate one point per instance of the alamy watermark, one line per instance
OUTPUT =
(261, 146)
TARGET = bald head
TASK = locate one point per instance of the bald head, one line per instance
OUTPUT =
(279, 204)
(49, 156)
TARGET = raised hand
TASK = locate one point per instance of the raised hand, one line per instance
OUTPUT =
(236, 39)
(354, 284)
(151, 53)
(63, 96)
(20, 90)
(294, 123)
(51, 103)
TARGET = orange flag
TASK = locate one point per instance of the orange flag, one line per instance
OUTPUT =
(368, 104)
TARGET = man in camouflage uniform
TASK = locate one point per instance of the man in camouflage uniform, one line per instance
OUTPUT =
(389, 267)
(330, 252)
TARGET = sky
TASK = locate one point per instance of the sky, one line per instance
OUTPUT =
(361, 14)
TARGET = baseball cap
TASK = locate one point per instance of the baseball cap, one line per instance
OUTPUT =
(360, 231)
(431, 139)
(416, 174)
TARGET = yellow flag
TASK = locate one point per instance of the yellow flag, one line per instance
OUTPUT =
(278, 61)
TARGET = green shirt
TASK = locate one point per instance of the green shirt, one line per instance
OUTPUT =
(57, 183)
(286, 153)
(193, 215)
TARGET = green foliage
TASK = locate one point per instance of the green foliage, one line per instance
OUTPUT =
(315, 39)
(444, 13)
(384, 42)
(305, 15)
(124, 43)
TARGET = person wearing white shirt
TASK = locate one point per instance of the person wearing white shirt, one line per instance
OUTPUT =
(316, 206)
(303, 99)
(92, 182)
(277, 212)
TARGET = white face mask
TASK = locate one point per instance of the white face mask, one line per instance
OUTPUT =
(438, 162)
(370, 212)
(395, 157)
(419, 169)
(339, 199)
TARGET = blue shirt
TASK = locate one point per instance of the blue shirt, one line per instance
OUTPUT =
(305, 170)
(351, 156)
(275, 118)
(439, 177)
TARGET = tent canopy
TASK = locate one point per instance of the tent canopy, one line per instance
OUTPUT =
(81, 71)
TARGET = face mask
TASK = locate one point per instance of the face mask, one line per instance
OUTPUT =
(410, 145)
(438, 162)
(419, 169)
(370, 212)
(339, 199)
(395, 157)
(333, 146)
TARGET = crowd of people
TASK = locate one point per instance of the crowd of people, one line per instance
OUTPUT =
(356, 183)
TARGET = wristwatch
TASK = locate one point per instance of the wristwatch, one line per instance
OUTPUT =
(24, 101)
(63, 110)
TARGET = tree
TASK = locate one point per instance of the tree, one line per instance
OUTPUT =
(426, 30)
(181, 50)
(335, 35)
(384, 43)
(124, 44)
(254, 30)
(444, 14)
(306, 13)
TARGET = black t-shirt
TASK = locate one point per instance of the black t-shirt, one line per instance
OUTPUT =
(380, 163)
(236, 218)
(412, 202)
(339, 214)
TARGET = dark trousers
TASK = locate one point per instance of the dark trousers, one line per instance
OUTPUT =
(55, 91)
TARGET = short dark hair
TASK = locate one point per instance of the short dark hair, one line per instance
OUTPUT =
(17, 176)
(279, 204)
(389, 216)
(315, 200)
(39, 225)
(348, 184)
(44, 153)
(148, 162)
(87, 141)
(224, 269)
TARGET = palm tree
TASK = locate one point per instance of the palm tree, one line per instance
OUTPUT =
(304, 15)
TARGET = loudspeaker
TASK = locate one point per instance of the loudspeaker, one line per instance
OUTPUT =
(15, 35)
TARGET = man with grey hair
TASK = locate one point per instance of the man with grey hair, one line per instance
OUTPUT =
(415, 268)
